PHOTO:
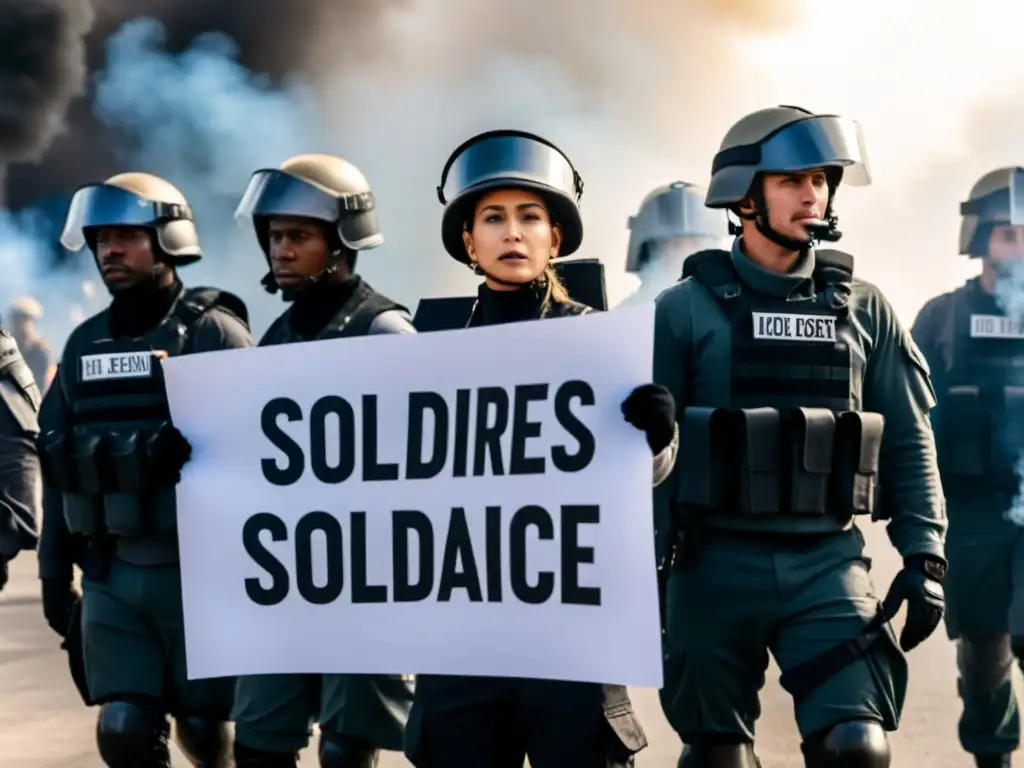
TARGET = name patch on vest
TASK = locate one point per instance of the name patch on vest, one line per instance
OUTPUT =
(117, 365)
(787, 327)
(995, 327)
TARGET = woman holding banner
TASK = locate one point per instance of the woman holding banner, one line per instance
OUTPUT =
(511, 207)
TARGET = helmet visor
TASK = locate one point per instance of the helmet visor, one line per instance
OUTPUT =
(1002, 206)
(101, 205)
(516, 158)
(275, 193)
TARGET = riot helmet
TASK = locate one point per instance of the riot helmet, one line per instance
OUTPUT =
(672, 212)
(996, 199)
(509, 159)
(323, 188)
(134, 200)
(781, 140)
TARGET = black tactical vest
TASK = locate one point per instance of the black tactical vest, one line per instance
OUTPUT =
(353, 318)
(980, 429)
(117, 405)
(791, 442)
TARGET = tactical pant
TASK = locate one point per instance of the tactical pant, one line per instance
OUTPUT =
(745, 595)
(484, 722)
(275, 713)
(133, 643)
(985, 614)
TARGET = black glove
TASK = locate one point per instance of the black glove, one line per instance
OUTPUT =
(652, 409)
(4, 575)
(169, 451)
(919, 584)
(58, 600)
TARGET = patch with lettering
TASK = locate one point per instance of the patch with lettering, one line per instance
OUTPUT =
(995, 327)
(782, 326)
(117, 365)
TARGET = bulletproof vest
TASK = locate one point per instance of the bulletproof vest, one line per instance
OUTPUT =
(103, 461)
(791, 442)
(18, 387)
(584, 281)
(980, 429)
(353, 318)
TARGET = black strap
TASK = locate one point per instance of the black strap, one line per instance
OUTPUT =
(802, 680)
(196, 302)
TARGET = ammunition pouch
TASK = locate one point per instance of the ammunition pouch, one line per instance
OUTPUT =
(980, 439)
(109, 483)
(807, 462)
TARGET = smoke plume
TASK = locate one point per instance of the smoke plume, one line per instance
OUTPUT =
(42, 67)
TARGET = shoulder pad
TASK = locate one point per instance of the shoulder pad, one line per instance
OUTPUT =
(833, 259)
(392, 321)
(8, 347)
(205, 299)
(695, 261)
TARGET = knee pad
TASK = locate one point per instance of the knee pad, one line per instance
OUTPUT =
(985, 663)
(203, 741)
(248, 757)
(132, 735)
(337, 751)
(739, 755)
(854, 744)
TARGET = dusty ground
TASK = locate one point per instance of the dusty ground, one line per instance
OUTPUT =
(43, 725)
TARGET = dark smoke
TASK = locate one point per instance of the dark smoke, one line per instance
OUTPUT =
(274, 38)
(42, 68)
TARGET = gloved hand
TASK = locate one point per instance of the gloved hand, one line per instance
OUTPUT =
(4, 575)
(58, 599)
(169, 451)
(652, 409)
(919, 584)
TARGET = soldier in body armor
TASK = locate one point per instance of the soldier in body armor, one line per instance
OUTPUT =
(111, 460)
(976, 354)
(21, 491)
(511, 206)
(312, 216)
(671, 223)
(785, 367)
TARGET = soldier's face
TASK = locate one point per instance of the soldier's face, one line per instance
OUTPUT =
(1005, 245)
(794, 200)
(298, 249)
(125, 256)
(512, 237)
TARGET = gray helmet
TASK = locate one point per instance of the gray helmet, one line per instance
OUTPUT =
(672, 211)
(997, 198)
(320, 187)
(134, 200)
(503, 159)
(782, 139)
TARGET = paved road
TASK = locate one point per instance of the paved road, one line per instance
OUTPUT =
(43, 725)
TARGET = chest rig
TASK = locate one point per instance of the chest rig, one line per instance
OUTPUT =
(353, 318)
(103, 459)
(791, 442)
(980, 429)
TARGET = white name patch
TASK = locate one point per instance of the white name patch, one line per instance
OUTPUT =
(117, 365)
(779, 325)
(995, 327)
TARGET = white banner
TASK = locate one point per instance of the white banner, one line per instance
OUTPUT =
(467, 502)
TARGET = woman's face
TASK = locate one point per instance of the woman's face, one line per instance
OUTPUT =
(511, 237)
